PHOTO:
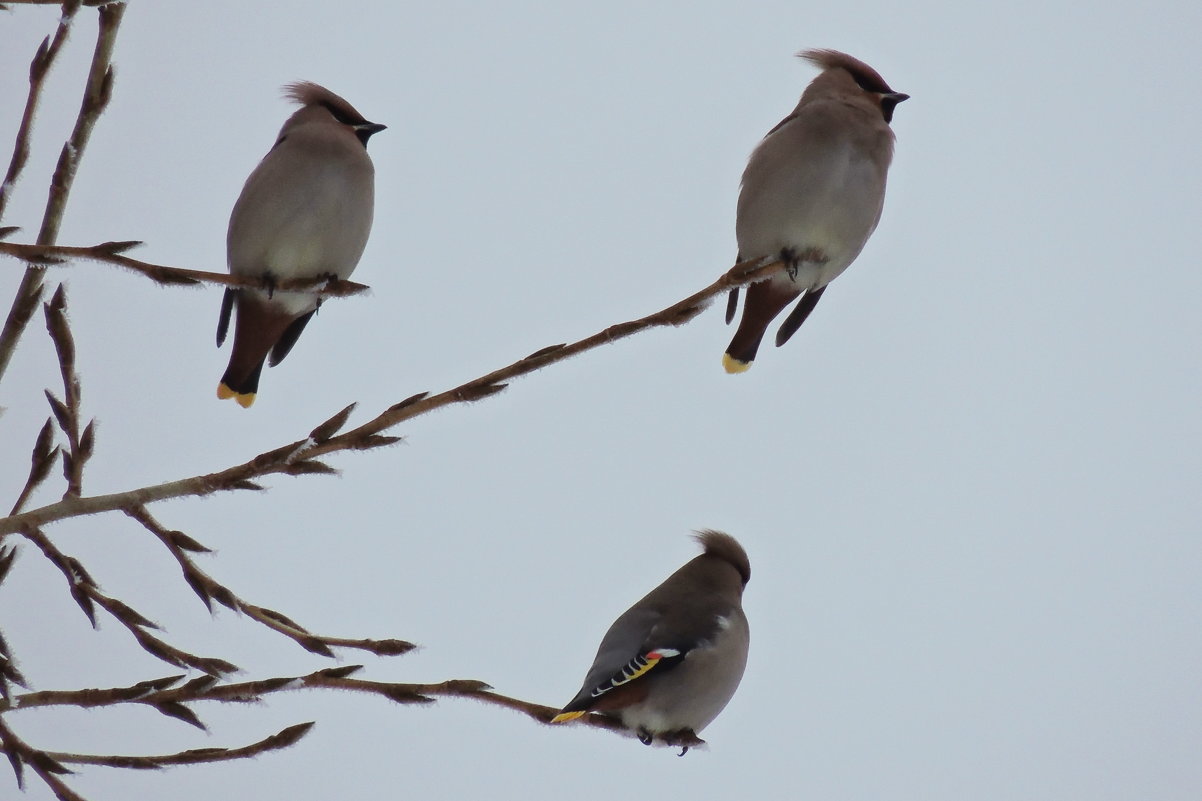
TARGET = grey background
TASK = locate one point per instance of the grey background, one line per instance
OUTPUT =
(969, 486)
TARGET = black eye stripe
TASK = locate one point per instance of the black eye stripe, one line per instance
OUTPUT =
(870, 83)
(342, 116)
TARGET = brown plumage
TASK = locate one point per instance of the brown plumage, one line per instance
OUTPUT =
(305, 212)
(811, 195)
(669, 664)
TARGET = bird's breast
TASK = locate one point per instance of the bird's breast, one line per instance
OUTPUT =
(828, 201)
(301, 218)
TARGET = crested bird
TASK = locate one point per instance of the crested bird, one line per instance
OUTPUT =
(305, 212)
(670, 663)
(811, 196)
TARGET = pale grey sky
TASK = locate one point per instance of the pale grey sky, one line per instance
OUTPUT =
(969, 486)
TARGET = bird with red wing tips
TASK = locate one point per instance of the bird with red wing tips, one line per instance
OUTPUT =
(669, 664)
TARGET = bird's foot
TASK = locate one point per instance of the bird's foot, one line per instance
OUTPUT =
(269, 283)
(794, 258)
(685, 738)
(332, 282)
(792, 263)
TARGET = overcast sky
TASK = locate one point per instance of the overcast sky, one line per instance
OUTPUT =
(969, 486)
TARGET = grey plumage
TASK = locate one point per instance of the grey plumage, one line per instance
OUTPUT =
(305, 212)
(812, 195)
(669, 664)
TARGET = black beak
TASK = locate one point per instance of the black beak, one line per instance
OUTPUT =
(889, 102)
(365, 130)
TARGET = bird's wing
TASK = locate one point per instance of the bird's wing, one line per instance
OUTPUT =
(639, 642)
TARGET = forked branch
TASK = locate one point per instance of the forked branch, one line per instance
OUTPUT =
(300, 457)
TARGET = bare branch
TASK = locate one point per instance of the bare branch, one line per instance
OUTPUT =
(41, 460)
(67, 413)
(88, 595)
(93, 697)
(111, 253)
(9, 672)
(96, 97)
(46, 767)
(91, 3)
(196, 756)
(367, 436)
(43, 60)
(209, 590)
(48, 764)
(158, 692)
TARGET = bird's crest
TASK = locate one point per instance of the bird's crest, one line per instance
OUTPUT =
(308, 93)
(726, 547)
(865, 76)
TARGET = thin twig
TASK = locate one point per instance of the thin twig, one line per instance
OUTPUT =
(367, 436)
(67, 412)
(210, 590)
(195, 756)
(111, 253)
(48, 769)
(88, 596)
(41, 460)
(167, 691)
(39, 67)
(91, 3)
(96, 97)
(90, 698)
(9, 672)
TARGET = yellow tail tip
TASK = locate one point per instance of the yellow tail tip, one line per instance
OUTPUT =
(564, 717)
(244, 400)
(733, 365)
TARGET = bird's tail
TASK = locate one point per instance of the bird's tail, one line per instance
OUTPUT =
(765, 300)
(259, 326)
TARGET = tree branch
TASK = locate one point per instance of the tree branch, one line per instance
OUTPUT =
(41, 460)
(196, 756)
(39, 67)
(88, 596)
(66, 412)
(210, 590)
(96, 97)
(298, 458)
(9, 672)
(160, 693)
(48, 769)
(92, 3)
(111, 253)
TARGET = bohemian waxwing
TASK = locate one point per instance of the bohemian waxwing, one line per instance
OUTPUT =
(671, 662)
(305, 212)
(811, 196)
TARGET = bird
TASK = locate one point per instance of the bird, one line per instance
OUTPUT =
(811, 195)
(305, 212)
(670, 663)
